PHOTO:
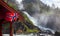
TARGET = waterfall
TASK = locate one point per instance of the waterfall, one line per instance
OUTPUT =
(36, 21)
(31, 18)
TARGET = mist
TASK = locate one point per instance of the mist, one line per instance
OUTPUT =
(47, 20)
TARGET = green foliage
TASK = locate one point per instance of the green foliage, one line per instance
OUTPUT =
(28, 29)
(12, 5)
(27, 19)
(5, 0)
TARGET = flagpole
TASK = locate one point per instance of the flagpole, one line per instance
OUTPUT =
(11, 32)
(1, 29)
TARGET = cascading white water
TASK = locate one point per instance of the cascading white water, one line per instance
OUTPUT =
(31, 18)
(37, 22)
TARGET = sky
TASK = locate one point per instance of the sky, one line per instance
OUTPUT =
(50, 2)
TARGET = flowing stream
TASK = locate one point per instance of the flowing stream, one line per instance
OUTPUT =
(37, 19)
(36, 23)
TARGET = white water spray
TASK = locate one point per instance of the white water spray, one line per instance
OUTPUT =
(35, 21)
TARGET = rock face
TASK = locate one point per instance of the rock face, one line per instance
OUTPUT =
(53, 22)
(31, 6)
(34, 6)
(50, 21)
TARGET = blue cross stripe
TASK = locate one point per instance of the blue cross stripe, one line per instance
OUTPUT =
(13, 16)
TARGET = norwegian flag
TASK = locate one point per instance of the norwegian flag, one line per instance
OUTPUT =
(11, 16)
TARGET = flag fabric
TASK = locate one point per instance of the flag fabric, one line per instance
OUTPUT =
(11, 16)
